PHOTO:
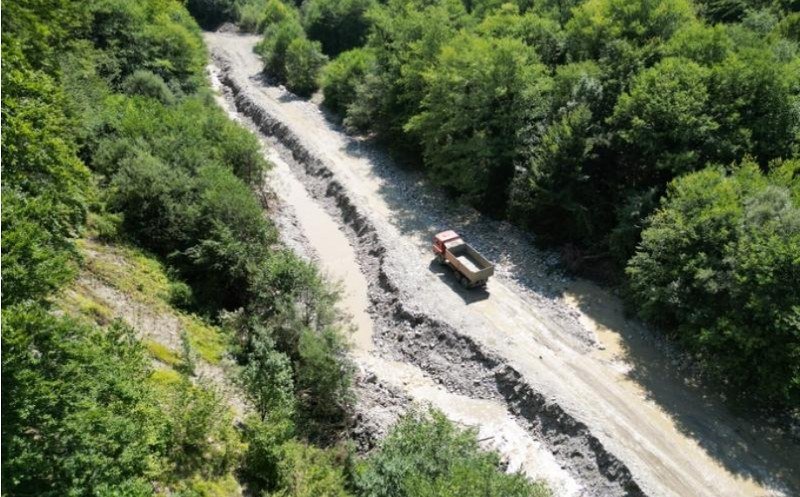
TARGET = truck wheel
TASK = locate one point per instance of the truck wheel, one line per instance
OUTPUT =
(440, 259)
(464, 282)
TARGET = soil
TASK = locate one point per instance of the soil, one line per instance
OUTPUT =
(547, 368)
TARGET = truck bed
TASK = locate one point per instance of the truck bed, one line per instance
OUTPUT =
(469, 262)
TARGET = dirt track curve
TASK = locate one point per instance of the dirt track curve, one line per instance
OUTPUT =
(546, 368)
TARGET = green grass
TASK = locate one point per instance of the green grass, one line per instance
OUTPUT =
(162, 353)
(207, 340)
(145, 279)
(165, 377)
(224, 486)
(80, 303)
(128, 270)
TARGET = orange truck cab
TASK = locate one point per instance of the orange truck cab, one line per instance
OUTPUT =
(440, 239)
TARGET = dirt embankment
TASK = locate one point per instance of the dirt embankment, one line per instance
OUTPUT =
(516, 345)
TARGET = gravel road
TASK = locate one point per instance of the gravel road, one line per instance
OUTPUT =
(580, 396)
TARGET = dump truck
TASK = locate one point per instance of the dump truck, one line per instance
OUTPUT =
(470, 267)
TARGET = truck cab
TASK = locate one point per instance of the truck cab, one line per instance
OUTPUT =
(439, 241)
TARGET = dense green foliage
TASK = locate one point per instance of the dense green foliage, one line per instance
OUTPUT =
(483, 92)
(289, 56)
(45, 185)
(571, 118)
(304, 60)
(425, 455)
(338, 24)
(76, 388)
(720, 263)
(339, 78)
(82, 417)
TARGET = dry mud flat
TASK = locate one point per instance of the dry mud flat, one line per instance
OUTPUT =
(516, 361)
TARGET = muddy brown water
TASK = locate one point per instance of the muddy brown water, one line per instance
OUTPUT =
(675, 440)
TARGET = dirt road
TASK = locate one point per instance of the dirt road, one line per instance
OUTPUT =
(567, 388)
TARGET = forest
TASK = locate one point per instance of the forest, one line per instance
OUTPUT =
(653, 143)
(113, 144)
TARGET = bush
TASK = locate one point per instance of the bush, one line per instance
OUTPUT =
(304, 60)
(211, 13)
(307, 471)
(180, 295)
(249, 16)
(273, 48)
(200, 435)
(277, 464)
(147, 84)
(323, 380)
(293, 308)
(426, 455)
(719, 264)
(266, 378)
(154, 198)
(45, 186)
(340, 78)
(148, 35)
(36, 261)
(79, 414)
(338, 25)
(276, 12)
(264, 440)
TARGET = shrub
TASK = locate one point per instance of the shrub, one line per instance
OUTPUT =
(154, 199)
(338, 25)
(249, 16)
(200, 436)
(426, 455)
(273, 48)
(147, 84)
(264, 440)
(104, 226)
(304, 60)
(36, 261)
(266, 378)
(180, 295)
(340, 78)
(308, 471)
(323, 378)
(45, 186)
(276, 12)
(79, 414)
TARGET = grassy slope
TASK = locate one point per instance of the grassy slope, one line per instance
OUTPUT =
(119, 270)
(117, 281)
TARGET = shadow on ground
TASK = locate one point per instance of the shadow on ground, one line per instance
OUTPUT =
(738, 440)
(468, 295)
